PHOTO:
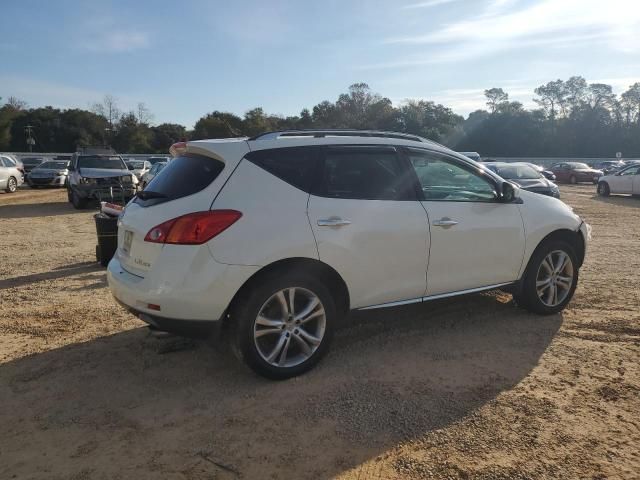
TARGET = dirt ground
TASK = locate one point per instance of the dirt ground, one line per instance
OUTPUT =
(470, 388)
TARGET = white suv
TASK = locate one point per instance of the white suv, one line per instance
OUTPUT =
(276, 237)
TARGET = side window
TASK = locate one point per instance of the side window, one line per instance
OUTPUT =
(445, 180)
(8, 162)
(364, 173)
(3, 163)
(631, 171)
(294, 165)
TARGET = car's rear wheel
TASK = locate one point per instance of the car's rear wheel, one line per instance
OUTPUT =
(282, 326)
(550, 278)
(12, 185)
(573, 179)
(603, 189)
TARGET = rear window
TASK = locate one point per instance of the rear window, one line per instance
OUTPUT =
(182, 176)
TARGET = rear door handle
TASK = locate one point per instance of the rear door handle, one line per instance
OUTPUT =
(333, 222)
(445, 222)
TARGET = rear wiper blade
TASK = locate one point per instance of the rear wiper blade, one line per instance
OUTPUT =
(147, 195)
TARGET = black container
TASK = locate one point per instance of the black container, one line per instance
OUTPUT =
(107, 230)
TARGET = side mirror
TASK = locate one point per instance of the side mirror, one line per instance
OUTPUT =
(508, 193)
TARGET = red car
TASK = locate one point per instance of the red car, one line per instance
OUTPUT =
(574, 172)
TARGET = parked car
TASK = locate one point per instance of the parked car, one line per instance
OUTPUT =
(472, 155)
(10, 176)
(575, 172)
(15, 162)
(53, 173)
(99, 177)
(610, 166)
(548, 174)
(155, 170)
(526, 177)
(31, 162)
(154, 160)
(625, 181)
(278, 236)
(138, 167)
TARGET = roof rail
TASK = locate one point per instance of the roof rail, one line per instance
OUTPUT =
(337, 132)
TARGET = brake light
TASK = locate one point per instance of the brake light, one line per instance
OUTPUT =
(178, 148)
(193, 228)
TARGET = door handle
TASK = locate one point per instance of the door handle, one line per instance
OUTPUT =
(445, 222)
(333, 222)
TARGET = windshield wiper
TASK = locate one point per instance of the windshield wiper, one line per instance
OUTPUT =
(148, 195)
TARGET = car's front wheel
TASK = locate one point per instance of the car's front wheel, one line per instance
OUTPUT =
(283, 325)
(550, 279)
(573, 180)
(78, 202)
(12, 185)
(603, 189)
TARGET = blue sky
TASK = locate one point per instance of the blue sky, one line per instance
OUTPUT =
(186, 58)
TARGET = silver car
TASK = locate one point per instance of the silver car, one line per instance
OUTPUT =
(52, 173)
(10, 176)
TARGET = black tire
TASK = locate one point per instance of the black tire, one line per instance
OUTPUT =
(527, 295)
(98, 256)
(78, 203)
(12, 185)
(573, 180)
(603, 189)
(250, 303)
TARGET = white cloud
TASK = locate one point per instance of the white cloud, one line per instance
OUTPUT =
(503, 27)
(39, 93)
(428, 4)
(119, 41)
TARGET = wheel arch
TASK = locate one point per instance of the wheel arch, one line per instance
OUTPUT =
(329, 276)
(572, 237)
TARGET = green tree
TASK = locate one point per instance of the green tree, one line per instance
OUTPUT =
(495, 97)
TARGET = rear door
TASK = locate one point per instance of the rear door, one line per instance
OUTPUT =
(369, 225)
(476, 241)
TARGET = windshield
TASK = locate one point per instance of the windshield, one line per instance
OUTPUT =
(97, 161)
(515, 172)
(53, 165)
(32, 161)
(579, 165)
(135, 165)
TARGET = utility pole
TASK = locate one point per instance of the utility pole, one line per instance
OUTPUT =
(30, 140)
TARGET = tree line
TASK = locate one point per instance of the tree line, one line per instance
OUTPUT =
(572, 118)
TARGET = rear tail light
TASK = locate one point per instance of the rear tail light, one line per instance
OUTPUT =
(193, 228)
(177, 149)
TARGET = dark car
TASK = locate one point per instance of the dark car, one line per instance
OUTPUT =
(575, 172)
(31, 162)
(548, 174)
(525, 176)
(610, 166)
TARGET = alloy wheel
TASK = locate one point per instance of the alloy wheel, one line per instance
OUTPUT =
(289, 327)
(555, 278)
(12, 186)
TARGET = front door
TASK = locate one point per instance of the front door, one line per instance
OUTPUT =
(369, 225)
(476, 241)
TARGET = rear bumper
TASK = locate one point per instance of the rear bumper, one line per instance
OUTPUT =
(182, 286)
(186, 328)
